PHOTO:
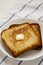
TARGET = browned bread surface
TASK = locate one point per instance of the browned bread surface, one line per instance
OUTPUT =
(36, 28)
(18, 47)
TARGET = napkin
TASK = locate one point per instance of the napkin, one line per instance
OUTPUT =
(12, 9)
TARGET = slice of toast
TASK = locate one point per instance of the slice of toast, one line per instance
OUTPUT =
(36, 28)
(18, 44)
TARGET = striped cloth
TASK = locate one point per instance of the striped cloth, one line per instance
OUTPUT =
(12, 9)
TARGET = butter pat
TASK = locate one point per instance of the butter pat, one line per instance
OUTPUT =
(19, 36)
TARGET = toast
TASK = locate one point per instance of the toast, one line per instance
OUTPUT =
(36, 28)
(21, 38)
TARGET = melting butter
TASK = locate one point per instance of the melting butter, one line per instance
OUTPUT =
(19, 36)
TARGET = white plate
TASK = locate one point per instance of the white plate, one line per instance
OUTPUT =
(33, 54)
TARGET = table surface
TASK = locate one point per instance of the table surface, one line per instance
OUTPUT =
(11, 9)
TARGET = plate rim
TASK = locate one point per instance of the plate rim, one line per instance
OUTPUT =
(21, 58)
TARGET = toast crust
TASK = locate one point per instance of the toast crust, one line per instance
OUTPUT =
(14, 54)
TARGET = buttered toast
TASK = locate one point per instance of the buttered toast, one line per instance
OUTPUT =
(37, 30)
(21, 38)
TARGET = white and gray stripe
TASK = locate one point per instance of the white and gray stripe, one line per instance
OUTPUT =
(21, 10)
(40, 62)
(20, 62)
(34, 10)
(25, 17)
(40, 18)
(3, 59)
(16, 13)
